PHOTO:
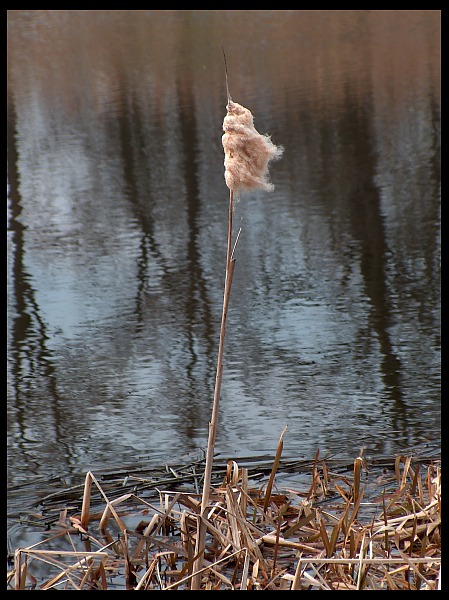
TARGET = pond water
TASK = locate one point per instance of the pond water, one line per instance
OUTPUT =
(117, 224)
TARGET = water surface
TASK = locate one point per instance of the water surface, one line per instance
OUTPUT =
(117, 223)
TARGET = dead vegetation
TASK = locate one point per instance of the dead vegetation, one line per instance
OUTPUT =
(131, 533)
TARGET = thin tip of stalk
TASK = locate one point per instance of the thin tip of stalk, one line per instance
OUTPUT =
(226, 74)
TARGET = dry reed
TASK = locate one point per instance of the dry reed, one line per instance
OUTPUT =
(247, 155)
(326, 537)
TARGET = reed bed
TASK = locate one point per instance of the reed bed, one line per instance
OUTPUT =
(131, 532)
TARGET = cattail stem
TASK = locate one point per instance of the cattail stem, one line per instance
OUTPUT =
(230, 262)
(247, 155)
(201, 539)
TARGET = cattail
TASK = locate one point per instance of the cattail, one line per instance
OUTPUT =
(247, 152)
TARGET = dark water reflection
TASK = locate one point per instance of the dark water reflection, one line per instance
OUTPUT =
(117, 233)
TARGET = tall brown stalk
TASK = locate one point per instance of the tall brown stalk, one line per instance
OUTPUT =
(247, 154)
(202, 526)
(230, 264)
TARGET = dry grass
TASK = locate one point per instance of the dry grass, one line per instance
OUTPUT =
(326, 537)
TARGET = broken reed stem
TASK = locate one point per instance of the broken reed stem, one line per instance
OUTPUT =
(273, 471)
(85, 511)
(201, 539)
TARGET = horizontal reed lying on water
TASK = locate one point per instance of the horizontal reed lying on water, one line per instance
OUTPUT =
(326, 537)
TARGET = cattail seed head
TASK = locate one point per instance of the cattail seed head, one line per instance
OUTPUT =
(247, 152)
